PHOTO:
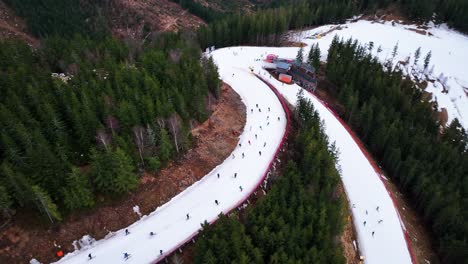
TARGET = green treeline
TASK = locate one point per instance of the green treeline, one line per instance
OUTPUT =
(60, 17)
(206, 13)
(386, 111)
(124, 110)
(265, 27)
(299, 219)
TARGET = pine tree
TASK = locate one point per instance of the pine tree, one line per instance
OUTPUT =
(5, 201)
(300, 54)
(77, 193)
(417, 54)
(45, 204)
(165, 147)
(427, 59)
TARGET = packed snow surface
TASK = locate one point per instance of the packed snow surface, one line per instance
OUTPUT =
(447, 67)
(238, 177)
(381, 239)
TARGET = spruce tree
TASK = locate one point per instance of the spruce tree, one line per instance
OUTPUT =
(300, 55)
(77, 193)
(45, 204)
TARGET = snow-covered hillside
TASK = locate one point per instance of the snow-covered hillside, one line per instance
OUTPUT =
(447, 65)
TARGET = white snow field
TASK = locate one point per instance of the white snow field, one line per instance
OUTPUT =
(169, 222)
(447, 65)
(363, 184)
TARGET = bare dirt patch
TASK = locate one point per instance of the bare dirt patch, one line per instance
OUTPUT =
(214, 141)
(137, 18)
(13, 27)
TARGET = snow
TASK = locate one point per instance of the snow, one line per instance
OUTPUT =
(449, 55)
(169, 222)
(363, 186)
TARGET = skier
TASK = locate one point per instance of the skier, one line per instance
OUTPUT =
(260, 110)
(127, 232)
(365, 223)
(268, 109)
(233, 75)
(151, 233)
(243, 155)
(160, 252)
(126, 255)
(259, 152)
(233, 156)
(240, 187)
(216, 202)
(377, 208)
(251, 110)
(249, 142)
(255, 136)
(235, 175)
(278, 118)
(260, 127)
(268, 123)
(218, 175)
(188, 216)
(268, 117)
(264, 144)
(380, 221)
(90, 256)
(366, 211)
(256, 105)
(240, 145)
(373, 232)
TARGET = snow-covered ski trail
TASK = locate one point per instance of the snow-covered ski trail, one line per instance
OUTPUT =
(380, 232)
(239, 177)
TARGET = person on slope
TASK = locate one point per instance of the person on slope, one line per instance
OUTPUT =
(151, 233)
(188, 216)
(127, 232)
(216, 202)
(90, 257)
(240, 187)
(126, 255)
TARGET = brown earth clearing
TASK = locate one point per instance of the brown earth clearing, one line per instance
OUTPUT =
(214, 141)
(13, 27)
(138, 18)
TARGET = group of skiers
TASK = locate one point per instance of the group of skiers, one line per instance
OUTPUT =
(365, 222)
(126, 255)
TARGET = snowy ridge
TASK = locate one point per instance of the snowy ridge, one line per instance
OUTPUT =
(446, 72)
(168, 222)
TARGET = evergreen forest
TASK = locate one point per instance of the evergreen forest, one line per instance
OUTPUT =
(299, 219)
(386, 110)
(115, 113)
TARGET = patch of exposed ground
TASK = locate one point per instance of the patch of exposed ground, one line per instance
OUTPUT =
(214, 141)
(348, 236)
(13, 27)
(137, 18)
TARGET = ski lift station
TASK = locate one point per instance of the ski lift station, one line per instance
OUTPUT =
(291, 70)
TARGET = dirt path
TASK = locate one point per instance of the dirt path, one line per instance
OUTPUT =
(214, 142)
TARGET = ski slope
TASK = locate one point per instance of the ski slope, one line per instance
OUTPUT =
(169, 222)
(447, 67)
(363, 184)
